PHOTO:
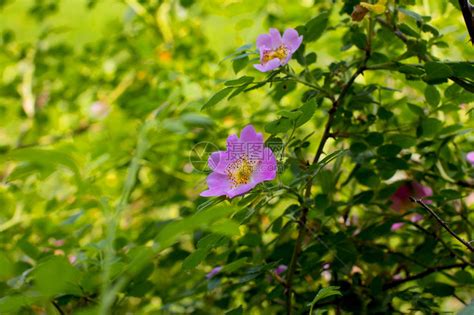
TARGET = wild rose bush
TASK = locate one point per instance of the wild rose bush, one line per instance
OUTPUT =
(236, 158)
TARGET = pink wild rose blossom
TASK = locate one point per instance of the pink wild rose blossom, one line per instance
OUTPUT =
(275, 50)
(245, 163)
(401, 200)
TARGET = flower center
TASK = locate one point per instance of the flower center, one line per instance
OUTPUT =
(240, 171)
(280, 53)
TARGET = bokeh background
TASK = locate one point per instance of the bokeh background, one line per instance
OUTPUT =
(79, 78)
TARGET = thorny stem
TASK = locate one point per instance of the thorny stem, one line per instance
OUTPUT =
(442, 223)
(326, 135)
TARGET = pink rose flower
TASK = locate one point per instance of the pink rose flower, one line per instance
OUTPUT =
(275, 50)
(245, 163)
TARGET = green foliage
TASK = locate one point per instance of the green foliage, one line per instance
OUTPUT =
(108, 113)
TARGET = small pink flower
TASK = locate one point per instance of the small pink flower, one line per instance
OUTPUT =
(401, 198)
(416, 217)
(275, 50)
(213, 272)
(280, 269)
(470, 157)
(99, 110)
(397, 226)
(245, 163)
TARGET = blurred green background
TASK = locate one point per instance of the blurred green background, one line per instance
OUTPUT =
(79, 78)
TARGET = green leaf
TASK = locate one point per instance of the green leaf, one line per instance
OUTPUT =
(432, 95)
(374, 138)
(235, 265)
(430, 127)
(437, 72)
(440, 289)
(281, 125)
(216, 98)
(194, 259)
(56, 276)
(416, 109)
(290, 114)
(367, 177)
(407, 69)
(226, 227)
(408, 30)
(315, 168)
(308, 110)
(200, 220)
(316, 27)
(322, 294)
(12, 304)
(242, 80)
(50, 157)
(404, 141)
(239, 64)
(389, 150)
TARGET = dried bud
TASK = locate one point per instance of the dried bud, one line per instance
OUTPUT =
(359, 13)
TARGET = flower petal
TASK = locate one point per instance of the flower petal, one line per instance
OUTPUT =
(292, 40)
(397, 226)
(276, 38)
(248, 134)
(267, 168)
(470, 157)
(264, 41)
(271, 65)
(241, 189)
(218, 161)
(218, 185)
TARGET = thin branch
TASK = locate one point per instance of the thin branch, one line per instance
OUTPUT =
(442, 223)
(439, 239)
(57, 307)
(422, 274)
(326, 135)
(468, 14)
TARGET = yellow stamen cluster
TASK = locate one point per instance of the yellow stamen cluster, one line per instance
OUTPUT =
(240, 171)
(280, 53)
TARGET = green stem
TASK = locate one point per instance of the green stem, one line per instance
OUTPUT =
(108, 292)
(326, 134)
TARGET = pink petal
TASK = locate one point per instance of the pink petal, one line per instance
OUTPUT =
(416, 217)
(218, 185)
(267, 168)
(470, 157)
(218, 161)
(264, 41)
(276, 38)
(239, 190)
(270, 65)
(248, 134)
(397, 226)
(292, 40)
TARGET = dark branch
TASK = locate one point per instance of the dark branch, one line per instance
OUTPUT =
(442, 223)
(422, 274)
(467, 12)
